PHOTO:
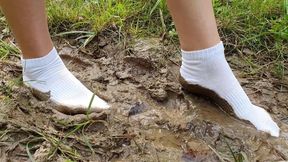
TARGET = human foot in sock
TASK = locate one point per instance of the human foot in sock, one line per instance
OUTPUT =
(49, 74)
(207, 72)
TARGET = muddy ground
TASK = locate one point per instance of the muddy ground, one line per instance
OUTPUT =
(151, 118)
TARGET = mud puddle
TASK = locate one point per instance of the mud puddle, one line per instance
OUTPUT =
(151, 118)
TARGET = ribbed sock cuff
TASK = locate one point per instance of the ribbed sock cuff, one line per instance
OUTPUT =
(204, 53)
(42, 61)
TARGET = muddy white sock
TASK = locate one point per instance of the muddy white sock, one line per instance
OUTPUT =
(49, 74)
(209, 69)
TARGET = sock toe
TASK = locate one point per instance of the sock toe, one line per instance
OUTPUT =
(98, 103)
(270, 127)
(275, 130)
(263, 121)
(82, 101)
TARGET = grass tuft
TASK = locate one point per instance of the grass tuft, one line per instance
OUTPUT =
(7, 49)
(258, 25)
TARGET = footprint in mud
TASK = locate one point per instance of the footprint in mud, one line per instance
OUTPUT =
(73, 61)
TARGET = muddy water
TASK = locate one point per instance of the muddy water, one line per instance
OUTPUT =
(151, 118)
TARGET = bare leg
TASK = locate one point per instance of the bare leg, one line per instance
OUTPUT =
(195, 23)
(29, 24)
(204, 68)
(43, 69)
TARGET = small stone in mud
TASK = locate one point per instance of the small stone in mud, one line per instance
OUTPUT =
(158, 94)
(101, 79)
(137, 109)
(123, 75)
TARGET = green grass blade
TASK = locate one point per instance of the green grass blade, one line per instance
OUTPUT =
(29, 153)
(74, 32)
(154, 7)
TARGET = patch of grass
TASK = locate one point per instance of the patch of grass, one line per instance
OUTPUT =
(6, 91)
(139, 18)
(91, 15)
(259, 26)
(238, 157)
(3, 24)
(7, 49)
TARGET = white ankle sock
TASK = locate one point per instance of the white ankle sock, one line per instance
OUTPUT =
(209, 69)
(49, 73)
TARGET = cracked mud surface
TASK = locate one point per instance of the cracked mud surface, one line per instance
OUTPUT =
(151, 118)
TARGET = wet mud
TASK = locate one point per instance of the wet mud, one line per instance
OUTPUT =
(151, 119)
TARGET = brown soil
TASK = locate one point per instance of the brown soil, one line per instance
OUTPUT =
(151, 118)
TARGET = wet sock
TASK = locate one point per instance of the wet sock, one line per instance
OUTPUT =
(209, 69)
(49, 74)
